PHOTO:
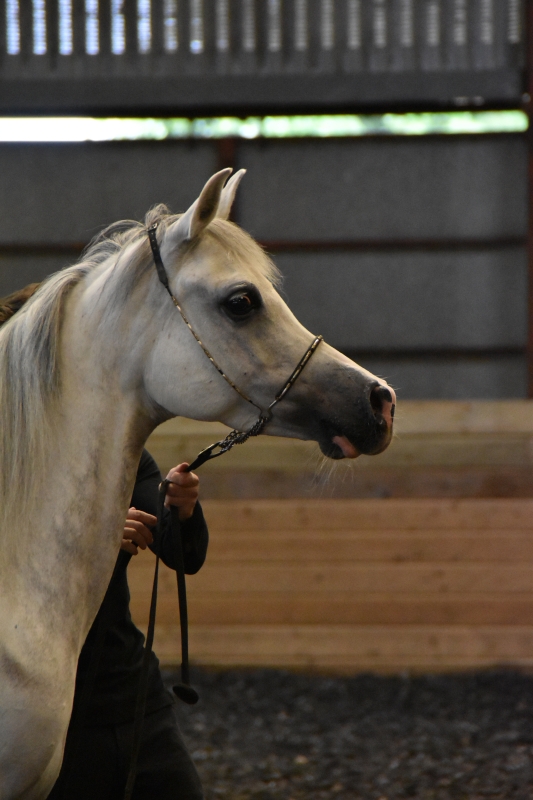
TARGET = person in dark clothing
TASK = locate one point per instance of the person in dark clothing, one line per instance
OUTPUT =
(99, 740)
(98, 744)
(13, 302)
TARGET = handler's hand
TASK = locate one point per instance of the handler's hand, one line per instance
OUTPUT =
(137, 531)
(183, 490)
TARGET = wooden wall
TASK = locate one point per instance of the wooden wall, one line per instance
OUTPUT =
(441, 449)
(347, 584)
(356, 585)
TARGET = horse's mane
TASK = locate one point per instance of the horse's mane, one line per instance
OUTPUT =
(30, 370)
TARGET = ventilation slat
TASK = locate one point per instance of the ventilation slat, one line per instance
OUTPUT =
(449, 50)
(443, 35)
(65, 28)
(249, 26)
(196, 27)
(222, 27)
(171, 31)
(12, 17)
(301, 26)
(3, 33)
(274, 28)
(39, 27)
(90, 38)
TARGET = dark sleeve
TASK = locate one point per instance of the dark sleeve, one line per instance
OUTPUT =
(194, 534)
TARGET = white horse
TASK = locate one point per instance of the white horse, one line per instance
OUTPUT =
(88, 368)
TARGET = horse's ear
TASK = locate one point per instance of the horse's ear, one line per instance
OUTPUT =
(228, 194)
(200, 214)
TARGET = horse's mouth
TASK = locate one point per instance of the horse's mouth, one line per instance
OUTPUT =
(337, 445)
(346, 447)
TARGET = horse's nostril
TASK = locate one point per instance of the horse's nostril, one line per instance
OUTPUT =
(378, 397)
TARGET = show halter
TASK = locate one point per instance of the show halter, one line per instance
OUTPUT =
(235, 437)
(184, 690)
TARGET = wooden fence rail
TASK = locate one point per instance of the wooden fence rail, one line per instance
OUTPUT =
(356, 584)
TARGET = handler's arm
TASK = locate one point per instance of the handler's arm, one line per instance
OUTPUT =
(183, 493)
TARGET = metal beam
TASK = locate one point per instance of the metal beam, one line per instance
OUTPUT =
(212, 94)
(529, 109)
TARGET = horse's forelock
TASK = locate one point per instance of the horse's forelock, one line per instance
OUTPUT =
(244, 248)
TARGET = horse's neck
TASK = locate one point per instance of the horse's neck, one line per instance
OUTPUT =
(74, 537)
(71, 540)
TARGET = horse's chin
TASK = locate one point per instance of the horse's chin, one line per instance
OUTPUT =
(341, 447)
(346, 447)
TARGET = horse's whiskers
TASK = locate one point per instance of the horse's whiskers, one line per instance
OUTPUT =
(330, 474)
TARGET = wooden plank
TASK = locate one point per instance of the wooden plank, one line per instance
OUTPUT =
(373, 608)
(186, 438)
(413, 481)
(289, 455)
(409, 514)
(455, 450)
(464, 416)
(447, 433)
(413, 417)
(351, 646)
(355, 584)
(392, 545)
(356, 578)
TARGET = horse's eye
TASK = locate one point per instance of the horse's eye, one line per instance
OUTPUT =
(241, 304)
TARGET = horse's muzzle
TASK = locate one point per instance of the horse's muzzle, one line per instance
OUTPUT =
(370, 432)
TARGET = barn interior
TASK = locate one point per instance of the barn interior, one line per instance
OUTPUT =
(389, 157)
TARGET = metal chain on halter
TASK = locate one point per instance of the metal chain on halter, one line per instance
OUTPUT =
(183, 690)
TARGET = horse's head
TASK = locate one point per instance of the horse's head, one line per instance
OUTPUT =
(226, 288)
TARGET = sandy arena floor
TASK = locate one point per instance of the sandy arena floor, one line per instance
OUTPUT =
(274, 735)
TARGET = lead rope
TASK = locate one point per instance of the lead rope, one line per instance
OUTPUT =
(140, 705)
(184, 690)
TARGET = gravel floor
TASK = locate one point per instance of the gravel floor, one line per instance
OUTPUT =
(275, 735)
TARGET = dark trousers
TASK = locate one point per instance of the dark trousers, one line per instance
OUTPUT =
(99, 766)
